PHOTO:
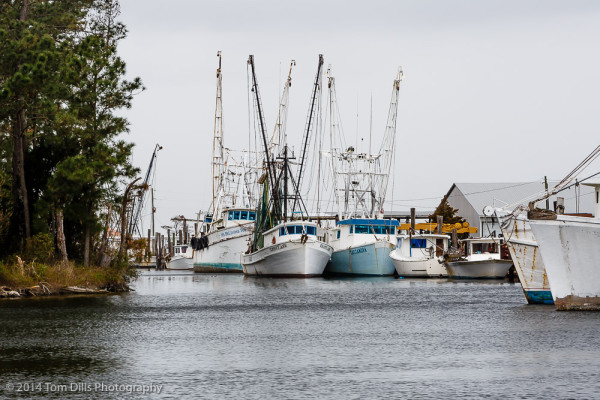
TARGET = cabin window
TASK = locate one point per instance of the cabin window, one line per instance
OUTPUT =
(479, 248)
(244, 215)
(176, 250)
(351, 228)
(252, 215)
(597, 197)
(361, 229)
(208, 219)
(311, 230)
(293, 229)
(230, 215)
(282, 231)
(184, 249)
(338, 234)
(392, 230)
(418, 243)
(236, 215)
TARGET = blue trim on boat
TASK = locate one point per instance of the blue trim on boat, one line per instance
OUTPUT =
(218, 267)
(539, 296)
(361, 260)
(368, 221)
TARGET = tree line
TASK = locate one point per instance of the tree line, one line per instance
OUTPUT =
(64, 162)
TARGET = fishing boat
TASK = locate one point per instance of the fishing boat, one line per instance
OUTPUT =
(524, 251)
(284, 243)
(294, 251)
(229, 225)
(420, 255)
(220, 250)
(362, 240)
(482, 260)
(569, 247)
(182, 258)
(362, 247)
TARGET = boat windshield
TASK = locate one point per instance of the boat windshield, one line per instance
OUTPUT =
(241, 215)
(297, 230)
(373, 229)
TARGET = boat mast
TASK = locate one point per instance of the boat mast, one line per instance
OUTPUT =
(388, 146)
(333, 133)
(309, 126)
(279, 133)
(271, 176)
(217, 160)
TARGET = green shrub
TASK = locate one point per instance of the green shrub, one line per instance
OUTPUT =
(39, 248)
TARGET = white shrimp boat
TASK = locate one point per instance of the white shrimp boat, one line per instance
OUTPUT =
(182, 258)
(220, 250)
(282, 244)
(570, 249)
(483, 260)
(420, 255)
(229, 226)
(293, 250)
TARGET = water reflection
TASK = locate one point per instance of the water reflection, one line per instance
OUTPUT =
(226, 335)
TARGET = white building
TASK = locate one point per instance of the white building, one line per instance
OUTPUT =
(471, 198)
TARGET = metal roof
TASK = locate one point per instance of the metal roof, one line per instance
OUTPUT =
(481, 195)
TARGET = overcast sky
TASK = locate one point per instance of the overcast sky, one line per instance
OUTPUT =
(494, 91)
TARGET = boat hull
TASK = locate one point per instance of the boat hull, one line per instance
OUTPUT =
(527, 259)
(423, 268)
(289, 259)
(180, 263)
(479, 269)
(370, 259)
(224, 251)
(569, 247)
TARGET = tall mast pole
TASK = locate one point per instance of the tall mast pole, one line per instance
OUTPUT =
(217, 161)
(270, 167)
(309, 124)
(388, 146)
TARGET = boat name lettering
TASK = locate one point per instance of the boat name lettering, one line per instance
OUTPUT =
(358, 251)
(278, 247)
(230, 233)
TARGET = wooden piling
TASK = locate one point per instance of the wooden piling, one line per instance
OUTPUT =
(440, 224)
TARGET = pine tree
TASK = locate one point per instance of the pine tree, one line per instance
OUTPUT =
(447, 212)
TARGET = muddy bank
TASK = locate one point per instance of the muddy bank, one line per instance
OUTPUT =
(45, 289)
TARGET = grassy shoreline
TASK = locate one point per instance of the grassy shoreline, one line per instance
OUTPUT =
(21, 279)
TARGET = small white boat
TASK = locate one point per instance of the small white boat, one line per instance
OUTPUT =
(291, 249)
(570, 248)
(420, 255)
(483, 260)
(182, 258)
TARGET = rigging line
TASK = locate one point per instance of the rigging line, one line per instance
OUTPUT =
(467, 194)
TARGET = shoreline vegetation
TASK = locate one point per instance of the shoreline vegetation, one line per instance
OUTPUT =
(66, 181)
(34, 279)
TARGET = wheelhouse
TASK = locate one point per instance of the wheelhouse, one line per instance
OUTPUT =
(369, 226)
(241, 215)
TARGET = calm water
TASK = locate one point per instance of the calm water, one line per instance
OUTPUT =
(230, 336)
